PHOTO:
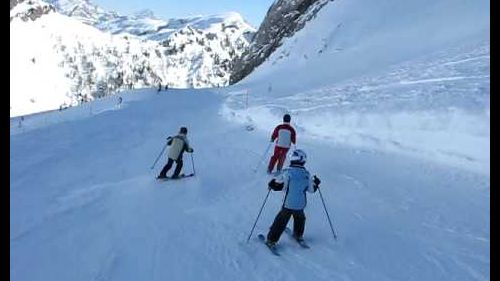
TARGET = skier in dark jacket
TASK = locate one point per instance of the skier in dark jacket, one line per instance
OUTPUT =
(294, 181)
(178, 145)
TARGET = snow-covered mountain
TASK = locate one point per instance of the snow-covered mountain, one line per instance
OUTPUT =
(83, 10)
(29, 10)
(391, 102)
(146, 25)
(90, 52)
(59, 61)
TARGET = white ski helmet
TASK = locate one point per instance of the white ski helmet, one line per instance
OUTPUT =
(298, 155)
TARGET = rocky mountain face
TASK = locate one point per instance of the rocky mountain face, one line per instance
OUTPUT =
(284, 18)
(13, 3)
(29, 10)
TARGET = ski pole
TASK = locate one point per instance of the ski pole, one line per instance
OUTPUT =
(328, 216)
(290, 151)
(253, 227)
(158, 158)
(263, 156)
(192, 162)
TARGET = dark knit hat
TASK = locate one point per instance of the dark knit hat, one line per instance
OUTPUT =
(287, 118)
(183, 130)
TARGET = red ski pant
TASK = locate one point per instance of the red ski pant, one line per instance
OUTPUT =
(279, 156)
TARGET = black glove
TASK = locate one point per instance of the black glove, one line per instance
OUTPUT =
(275, 186)
(190, 150)
(316, 180)
(316, 183)
(169, 140)
(271, 184)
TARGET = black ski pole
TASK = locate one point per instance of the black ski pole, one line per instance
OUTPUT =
(253, 227)
(263, 156)
(192, 162)
(328, 216)
(158, 158)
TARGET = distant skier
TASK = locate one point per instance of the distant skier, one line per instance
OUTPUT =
(119, 104)
(20, 123)
(285, 135)
(166, 87)
(159, 87)
(178, 145)
(294, 181)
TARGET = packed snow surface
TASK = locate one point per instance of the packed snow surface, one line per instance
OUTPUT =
(408, 76)
(85, 204)
(400, 143)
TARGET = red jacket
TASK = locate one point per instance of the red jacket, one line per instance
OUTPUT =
(285, 135)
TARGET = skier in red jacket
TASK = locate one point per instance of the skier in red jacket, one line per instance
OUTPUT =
(284, 135)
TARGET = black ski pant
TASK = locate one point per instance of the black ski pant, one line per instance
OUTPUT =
(281, 220)
(167, 167)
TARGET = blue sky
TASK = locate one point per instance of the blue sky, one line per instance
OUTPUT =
(252, 10)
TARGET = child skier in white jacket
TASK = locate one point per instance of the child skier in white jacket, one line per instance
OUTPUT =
(294, 181)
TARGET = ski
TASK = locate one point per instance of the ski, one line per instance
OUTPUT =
(180, 177)
(302, 243)
(272, 249)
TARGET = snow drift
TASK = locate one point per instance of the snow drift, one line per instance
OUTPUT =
(409, 76)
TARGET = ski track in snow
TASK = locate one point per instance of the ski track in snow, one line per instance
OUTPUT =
(414, 107)
(402, 152)
(120, 224)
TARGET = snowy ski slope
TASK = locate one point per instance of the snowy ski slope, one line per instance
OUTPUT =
(85, 205)
(400, 143)
(408, 76)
